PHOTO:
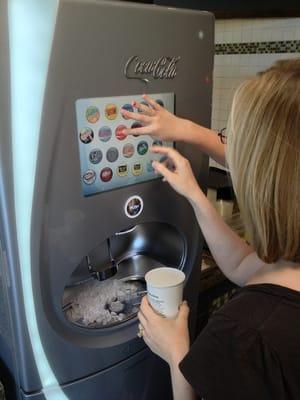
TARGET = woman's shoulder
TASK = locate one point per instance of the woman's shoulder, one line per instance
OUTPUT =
(253, 305)
(266, 312)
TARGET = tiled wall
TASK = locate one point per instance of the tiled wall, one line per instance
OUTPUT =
(244, 47)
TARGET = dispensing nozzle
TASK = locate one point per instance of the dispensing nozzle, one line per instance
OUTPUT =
(105, 271)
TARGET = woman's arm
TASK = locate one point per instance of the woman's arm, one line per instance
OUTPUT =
(159, 122)
(206, 139)
(182, 390)
(234, 256)
(169, 339)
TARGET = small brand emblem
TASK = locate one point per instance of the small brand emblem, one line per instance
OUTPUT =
(144, 70)
(133, 206)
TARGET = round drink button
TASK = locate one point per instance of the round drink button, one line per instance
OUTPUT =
(111, 111)
(127, 107)
(144, 104)
(89, 177)
(160, 102)
(136, 125)
(142, 148)
(134, 206)
(128, 150)
(157, 143)
(92, 114)
(86, 135)
(105, 133)
(106, 174)
(112, 154)
(149, 166)
(95, 156)
(120, 135)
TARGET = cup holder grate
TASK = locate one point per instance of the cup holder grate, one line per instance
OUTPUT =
(95, 305)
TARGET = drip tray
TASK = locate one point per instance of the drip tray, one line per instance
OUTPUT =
(94, 304)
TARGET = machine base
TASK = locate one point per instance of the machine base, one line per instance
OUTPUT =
(131, 379)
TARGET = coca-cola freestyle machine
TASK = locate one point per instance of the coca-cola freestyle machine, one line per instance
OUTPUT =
(83, 215)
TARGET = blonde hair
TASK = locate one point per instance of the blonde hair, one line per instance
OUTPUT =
(263, 155)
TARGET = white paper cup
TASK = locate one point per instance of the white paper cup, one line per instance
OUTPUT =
(165, 288)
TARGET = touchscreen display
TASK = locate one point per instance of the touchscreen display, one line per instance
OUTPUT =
(108, 159)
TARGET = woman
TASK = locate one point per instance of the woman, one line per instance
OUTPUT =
(250, 349)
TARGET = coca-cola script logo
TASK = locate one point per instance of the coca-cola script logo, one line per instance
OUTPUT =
(160, 68)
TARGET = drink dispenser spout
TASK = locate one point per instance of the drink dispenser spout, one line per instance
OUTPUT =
(104, 270)
(134, 251)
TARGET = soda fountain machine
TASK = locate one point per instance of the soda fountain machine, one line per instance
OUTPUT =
(83, 215)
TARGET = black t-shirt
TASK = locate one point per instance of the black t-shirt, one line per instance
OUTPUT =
(250, 349)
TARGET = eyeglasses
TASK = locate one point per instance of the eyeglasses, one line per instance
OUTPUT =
(222, 135)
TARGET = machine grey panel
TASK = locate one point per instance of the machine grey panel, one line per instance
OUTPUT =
(13, 331)
(130, 380)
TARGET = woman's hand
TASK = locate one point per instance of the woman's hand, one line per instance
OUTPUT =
(168, 338)
(155, 121)
(180, 176)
